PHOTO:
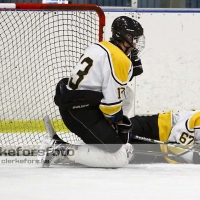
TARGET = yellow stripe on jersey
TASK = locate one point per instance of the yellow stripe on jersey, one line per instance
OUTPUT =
(193, 122)
(110, 109)
(165, 125)
(120, 63)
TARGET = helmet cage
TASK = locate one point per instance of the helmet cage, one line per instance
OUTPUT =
(139, 44)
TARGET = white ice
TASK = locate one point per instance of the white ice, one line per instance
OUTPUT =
(20, 181)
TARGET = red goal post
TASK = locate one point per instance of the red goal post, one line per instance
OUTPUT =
(40, 44)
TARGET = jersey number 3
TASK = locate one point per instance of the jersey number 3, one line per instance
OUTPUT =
(81, 74)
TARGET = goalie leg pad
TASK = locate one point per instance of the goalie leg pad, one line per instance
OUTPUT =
(93, 156)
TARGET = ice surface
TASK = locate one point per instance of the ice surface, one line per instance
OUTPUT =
(135, 182)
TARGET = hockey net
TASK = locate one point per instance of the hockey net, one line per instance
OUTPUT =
(39, 45)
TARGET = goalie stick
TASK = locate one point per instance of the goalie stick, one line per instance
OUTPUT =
(49, 127)
(52, 133)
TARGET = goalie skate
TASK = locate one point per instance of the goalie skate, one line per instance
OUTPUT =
(57, 154)
(46, 143)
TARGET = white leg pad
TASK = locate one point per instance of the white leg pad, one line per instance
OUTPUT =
(92, 156)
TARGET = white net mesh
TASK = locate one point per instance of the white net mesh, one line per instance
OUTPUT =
(37, 49)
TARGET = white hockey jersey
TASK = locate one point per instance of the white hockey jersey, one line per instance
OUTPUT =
(104, 68)
(185, 129)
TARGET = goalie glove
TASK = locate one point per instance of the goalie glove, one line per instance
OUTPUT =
(123, 129)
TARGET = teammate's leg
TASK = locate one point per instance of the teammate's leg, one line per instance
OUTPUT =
(145, 126)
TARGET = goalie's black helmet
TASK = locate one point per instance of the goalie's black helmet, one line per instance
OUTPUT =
(122, 27)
